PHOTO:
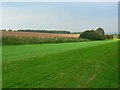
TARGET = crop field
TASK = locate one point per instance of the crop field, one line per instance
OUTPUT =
(22, 38)
(40, 35)
(91, 64)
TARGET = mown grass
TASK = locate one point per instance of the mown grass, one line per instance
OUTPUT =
(80, 65)
(21, 40)
(18, 52)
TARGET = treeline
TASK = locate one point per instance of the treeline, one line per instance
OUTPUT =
(75, 32)
(41, 31)
(44, 31)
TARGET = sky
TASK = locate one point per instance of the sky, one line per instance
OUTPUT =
(60, 0)
(70, 16)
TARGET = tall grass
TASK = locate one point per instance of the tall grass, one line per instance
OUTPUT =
(19, 40)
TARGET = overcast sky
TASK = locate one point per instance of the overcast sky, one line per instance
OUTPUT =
(75, 17)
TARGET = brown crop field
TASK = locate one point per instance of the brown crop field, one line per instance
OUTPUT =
(37, 34)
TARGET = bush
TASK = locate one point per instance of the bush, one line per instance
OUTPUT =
(92, 35)
(109, 36)
(19, 40)
(119, 36)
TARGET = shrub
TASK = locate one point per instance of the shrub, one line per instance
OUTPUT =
(19, 40)
(119, 36)
(109, 36)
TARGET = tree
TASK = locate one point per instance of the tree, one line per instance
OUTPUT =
(92, 35)
(4, 30)
(100, 31)
(9, 30)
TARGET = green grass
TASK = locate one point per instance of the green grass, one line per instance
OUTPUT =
(18, 52)
(67, 65)
(0, 66)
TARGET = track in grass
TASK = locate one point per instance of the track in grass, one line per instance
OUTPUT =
(89, 64)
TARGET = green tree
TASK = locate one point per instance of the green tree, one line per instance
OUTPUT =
(9, 30)
(92, 35)
(100, 31)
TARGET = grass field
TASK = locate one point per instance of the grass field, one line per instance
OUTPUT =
(92, 64)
